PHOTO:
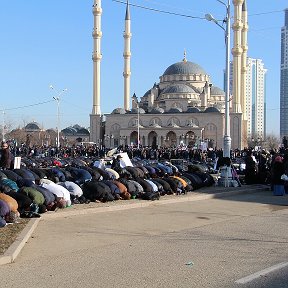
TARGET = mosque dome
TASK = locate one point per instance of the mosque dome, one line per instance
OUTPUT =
(75, 130)
(178, 88)
(83, 131)
(33, 126)
(119, 111)
(184, 67)
(175, 110)
(211, 110)
(216, 91)
(135, 111)
(193, 110)
(157, 110)
(147, 93)
(69, 131)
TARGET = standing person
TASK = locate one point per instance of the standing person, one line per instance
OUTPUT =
(251, 170)
(6, 156)
(116, 165)
(277, 170)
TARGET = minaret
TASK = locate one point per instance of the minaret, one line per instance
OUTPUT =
(237, 56)
(95, 117)
(244, 60)
(97, 35)
(127, 55)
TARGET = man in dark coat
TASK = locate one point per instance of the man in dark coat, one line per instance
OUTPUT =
(6, 156)
(251, 169)
(116, 165)
(24, 202)
(25, 173)
(80, 176)
(94, 190)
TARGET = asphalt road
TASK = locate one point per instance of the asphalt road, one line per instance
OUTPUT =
(276, 279)
(208, 243)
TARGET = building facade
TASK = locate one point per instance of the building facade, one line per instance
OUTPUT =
(255, 106)
(284, 79)
(182, 108)
(35, 135)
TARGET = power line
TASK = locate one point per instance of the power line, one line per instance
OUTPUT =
(160, 11)
(264, 29)
(27, 106)
(179, 7)
(188, 16)
(264, 13)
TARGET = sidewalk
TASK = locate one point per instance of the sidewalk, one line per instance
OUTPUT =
(83, 209)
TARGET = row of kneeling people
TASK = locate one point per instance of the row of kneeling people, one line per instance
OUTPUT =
(28, 192)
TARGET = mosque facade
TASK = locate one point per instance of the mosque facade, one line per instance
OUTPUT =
(182, 108)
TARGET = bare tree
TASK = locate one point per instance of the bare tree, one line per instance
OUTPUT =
(271, 142)
(18, 135)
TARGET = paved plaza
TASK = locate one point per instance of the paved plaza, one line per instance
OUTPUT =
(200, 243)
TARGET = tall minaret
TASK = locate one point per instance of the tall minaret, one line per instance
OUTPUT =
(97, 35)
(244, 60)
(237, 56)
(95, 116)
(127, 55)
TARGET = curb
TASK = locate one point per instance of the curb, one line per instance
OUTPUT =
(192, 196)
(13, 251)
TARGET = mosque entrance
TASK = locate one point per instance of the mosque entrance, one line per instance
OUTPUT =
(134, 138)
(152, 139)
(170, 140)
(190, 139)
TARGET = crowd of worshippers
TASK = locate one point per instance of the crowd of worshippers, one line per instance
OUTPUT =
(265, 167)
(35, 189)
(143, 152)
(32, 190)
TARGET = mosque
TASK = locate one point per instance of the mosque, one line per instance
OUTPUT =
(182, 108)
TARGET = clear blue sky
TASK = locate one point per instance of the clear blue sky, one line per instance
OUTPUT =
(50, 42)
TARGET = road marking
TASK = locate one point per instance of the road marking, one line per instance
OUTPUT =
(261, 273)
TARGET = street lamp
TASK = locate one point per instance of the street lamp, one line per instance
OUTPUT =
(138, 125)
(57, 99)
(209, 17)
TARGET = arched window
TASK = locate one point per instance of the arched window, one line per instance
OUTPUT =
(115, 127)
(173, 121)
(192, 122)
(155, 121)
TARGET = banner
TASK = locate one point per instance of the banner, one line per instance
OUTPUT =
(17, 162)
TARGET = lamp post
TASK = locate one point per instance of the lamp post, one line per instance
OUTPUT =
(57, 99)
(202, 136)
(209, 17)
(138, 125)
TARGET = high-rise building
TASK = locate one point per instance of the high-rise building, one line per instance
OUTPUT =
(255, 105)
(255, 99)
(284, 79)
